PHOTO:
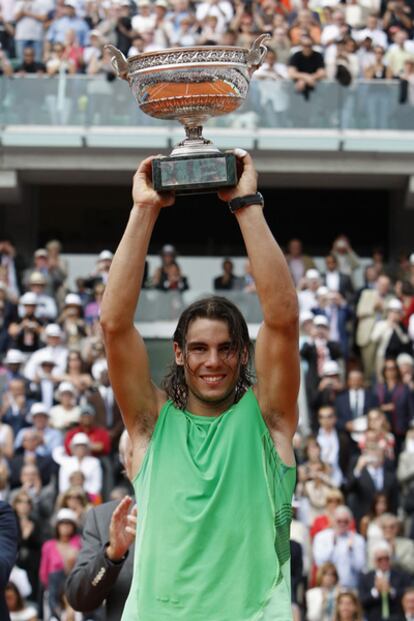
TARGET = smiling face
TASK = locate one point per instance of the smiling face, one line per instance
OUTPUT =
(211, 366)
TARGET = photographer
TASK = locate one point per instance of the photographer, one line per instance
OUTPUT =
(25, 332)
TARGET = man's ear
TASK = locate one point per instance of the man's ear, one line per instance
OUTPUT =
(179, 355)
(244, 356)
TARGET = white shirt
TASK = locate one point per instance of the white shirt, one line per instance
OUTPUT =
(63, 419)
(327, 546)
(90, 466)
(332, 280)
(378, 36)
(223, 10)
(357, 401)
(329, 444)
(29, 28)
(59, 353)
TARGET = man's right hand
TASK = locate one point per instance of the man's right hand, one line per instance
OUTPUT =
(143, 192)
(122, 529)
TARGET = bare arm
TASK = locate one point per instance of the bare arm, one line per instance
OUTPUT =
(138, 399)
(277, 350)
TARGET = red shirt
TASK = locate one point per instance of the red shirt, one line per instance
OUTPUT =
(95, 434)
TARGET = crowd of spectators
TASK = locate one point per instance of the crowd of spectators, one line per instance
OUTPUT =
(310, 40)
(352, 533)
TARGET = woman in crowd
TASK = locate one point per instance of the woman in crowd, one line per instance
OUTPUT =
(30, 539)
(76, 499)
(369, 526)
(378, 423)
(19, 610)
(395, 400)
(348, 607)
(76, 372)
(58, 558)
(320, 600)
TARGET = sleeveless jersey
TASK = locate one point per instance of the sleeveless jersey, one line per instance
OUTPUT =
(214, 512)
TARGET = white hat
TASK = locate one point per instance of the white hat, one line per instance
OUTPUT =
(73, 299)
(394, 304)
(14, 356)
(322, 290)
(168, 249)
(330, 367)
(46, 357)
(66, 387)
(80, 438)
(312, 274)
(405, 358)
(411, 259)
(66, 515)
(306, 316)
(41, 252)
(98, 367)
(39, 408)
(162, 3)
(37, 278)
(53, 329)
(28, 299)
(95, 33)
(321, 320)
(105, 255)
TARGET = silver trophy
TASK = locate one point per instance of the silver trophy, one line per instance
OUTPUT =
(191, 85)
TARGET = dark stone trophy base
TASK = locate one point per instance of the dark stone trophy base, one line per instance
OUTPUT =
(194, 174)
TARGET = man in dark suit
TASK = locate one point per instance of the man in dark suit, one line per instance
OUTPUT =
(336, 280)
(407, 603)
(8, 552)
(354, 402)
(103, 570)
(369, 474)
(381, 589)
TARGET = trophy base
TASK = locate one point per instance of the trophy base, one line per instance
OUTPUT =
(194, 174)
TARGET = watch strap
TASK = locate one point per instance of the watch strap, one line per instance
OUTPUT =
(244, 201)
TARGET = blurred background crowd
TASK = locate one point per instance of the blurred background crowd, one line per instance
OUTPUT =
(310, 41)
(352, 537)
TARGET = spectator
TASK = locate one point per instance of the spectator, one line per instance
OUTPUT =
(26, 454)
(369, 524)
(76, 373)
(58, 557)
(353, 402)
(227, 280)
(93, 308)
(6, 440)
(377, 102)
(19, 609)
(172, 279)
(307, 289)
(348, 607)
(29, 64)
(66, 413)
(80, 460)
(402, 557)
(49, 438)
(26, 330)
(8, 551)
(334, 499)
(381, 589)
(306, 67)
(42, 496)
(30, 540)
(336, 280)
(369, 474)
(57, 62)
(348, 260)
(395, 400)
(99, 438)
(54, 347)
(46, 378)
(335, 449)
(15, 406)
(370, 309)
(30, 17)
(76, 499)
(378, 424)
(407, 603)
(100, 274)
(298, 262)
(405, 475)
(13, 361)
(342, 546)
(71, 320)
(320, 600)
(46, 308)
(68, 21)
(390, 336)
(372, 31)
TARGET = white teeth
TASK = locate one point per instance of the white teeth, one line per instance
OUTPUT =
(212, 379)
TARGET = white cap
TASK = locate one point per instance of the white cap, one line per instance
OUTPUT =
(73, 299)
(66, 515)
(28, 299)
(41, 252)
(95, 33)
(53, 329)
(321, 320)
(37, 278)
(168, 249)
(105, 255)
(405, 358)
(322, 290)
(39, 408)
(66, 387)
(14, 356)
(411, 259)
(306, 315)
(80, 438)
(394, 304)
(98, 367)
(312, 274)
(330, 367)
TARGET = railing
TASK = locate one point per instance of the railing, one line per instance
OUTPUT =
(96, 101)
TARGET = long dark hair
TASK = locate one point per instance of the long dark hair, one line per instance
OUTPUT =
(215, 308)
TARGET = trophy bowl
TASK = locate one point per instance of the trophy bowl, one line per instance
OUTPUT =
(191, 85)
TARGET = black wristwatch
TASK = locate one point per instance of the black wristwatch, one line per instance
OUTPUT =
(245, 201)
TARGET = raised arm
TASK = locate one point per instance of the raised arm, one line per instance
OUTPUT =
(139, 400)
(277, 350)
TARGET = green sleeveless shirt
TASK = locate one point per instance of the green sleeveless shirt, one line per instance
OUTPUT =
(214, 511)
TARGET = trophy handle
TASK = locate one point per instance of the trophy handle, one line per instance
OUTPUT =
(118, 61)
(257, 53)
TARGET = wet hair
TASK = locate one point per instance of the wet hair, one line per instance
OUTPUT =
(214, 308)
